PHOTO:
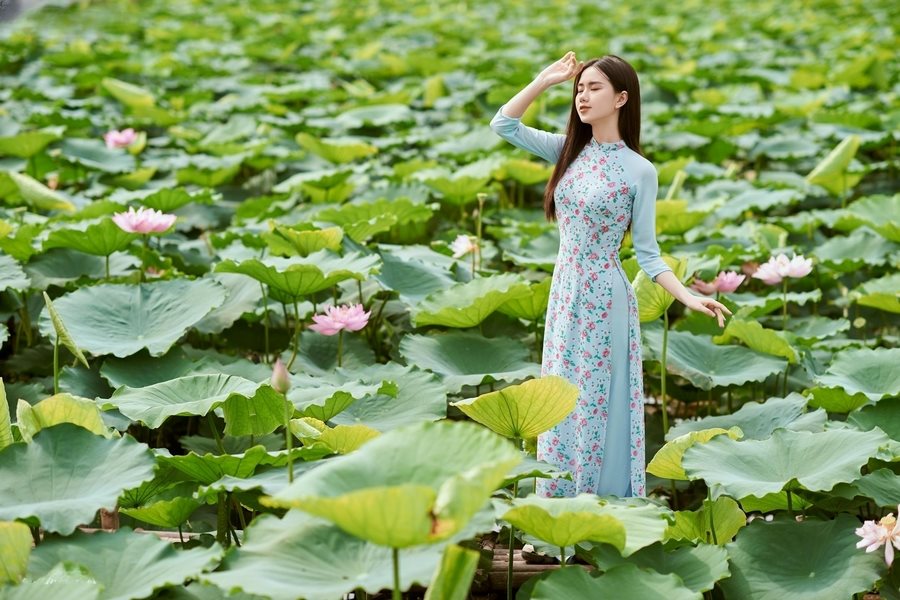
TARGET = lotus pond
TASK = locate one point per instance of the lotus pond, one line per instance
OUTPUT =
(272, 298)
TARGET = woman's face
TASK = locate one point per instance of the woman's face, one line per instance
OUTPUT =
(595, 98)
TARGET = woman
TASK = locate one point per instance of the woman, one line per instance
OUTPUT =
(601, 185)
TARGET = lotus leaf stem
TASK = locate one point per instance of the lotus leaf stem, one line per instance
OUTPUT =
(265, 300)
(562, 557)
(56, 365)
(397, 595)
(712, 526)
(340, 346)
(665, 412)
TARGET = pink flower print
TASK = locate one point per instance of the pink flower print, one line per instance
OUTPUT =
(611, 184)
(602, 161)
(603, 315)
(606, 353)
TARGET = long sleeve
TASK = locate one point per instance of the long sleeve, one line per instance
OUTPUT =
(643, 224)
(542, 143)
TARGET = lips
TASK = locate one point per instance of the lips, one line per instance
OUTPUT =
(583, 107)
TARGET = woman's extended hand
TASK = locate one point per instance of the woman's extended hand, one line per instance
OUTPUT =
(710, 306)
(562, 70)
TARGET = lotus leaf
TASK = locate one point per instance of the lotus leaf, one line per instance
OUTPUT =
(809, 560)
(399, 490)
(817, 461)
(122, 319)
(128, 565)
(524, 410)
(66, 474)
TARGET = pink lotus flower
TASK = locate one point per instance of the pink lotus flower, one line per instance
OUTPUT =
(886, 532)
(462, 245)
(119, 139)
(725, 282)
(779, 267)
(337, 318)
(145, 220)
(281, 379)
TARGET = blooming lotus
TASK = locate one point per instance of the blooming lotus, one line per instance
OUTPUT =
(462, 245)
(338, 318)
(144, 220)
(119, 139)
(725, 282)
(779, 267)
(886, 532)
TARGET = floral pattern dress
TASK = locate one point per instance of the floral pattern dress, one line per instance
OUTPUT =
(592, 335)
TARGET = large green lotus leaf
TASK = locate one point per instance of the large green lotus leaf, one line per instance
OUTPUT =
(885, 415)
(468, 304)
(526, 172)
(335, 150)
(531, 467)
(323, 400)
(243, 296)
(381, 396)
(212, 467)
(168, 513)
(12, 277)
(258, 414)
(699, 568)
(362, 220)
(377, 115)
(880, 485)
(304, 552)
(287, 241)
(37, 195)
(772, 502)
(170, 199)
(127, 564)
(862, 247)
(188, 395)
(835, 400)
(882, 293)
(123, 319)
(62, 334)
(537, 252)
(524, 410)
(812, 328)
(873, 209)
(59, 408)
(872, 372)
(467, 358)
(757, 420)
(763, 305)
(399, 489)
(63, 582)
(564, 522)
(817, 461)
(757, 337)
(831, 173)
(128, 94)
(453, 578)
(653, 299)
(412, 279)
(66, 474)
(341, 439)
(15, 546)
(531, 307)
(28, 143)
(809, 560)
(675, 217)
(99, 239)
(707, 365)
(623, 581)
(667, 461)
(727, 519)
(645, 521)
(95, 155)
(300, 276)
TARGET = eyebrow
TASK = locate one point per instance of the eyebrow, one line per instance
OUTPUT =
(590, 82)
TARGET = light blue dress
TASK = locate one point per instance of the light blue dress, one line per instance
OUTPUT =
(592, 334)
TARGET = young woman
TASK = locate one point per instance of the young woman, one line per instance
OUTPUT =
(602, 186)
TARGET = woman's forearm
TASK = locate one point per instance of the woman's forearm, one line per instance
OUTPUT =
(519, 103)
(671, 284)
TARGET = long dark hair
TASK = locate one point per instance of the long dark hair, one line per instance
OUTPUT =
(623, 77)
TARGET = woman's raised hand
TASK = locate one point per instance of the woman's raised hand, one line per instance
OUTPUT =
(562, 70)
